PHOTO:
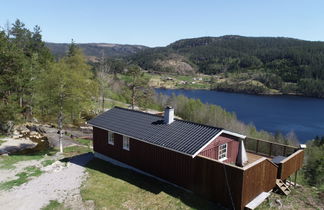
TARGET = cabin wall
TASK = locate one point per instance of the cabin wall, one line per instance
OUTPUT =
(211, 151)
(172, 166)
(223, 183)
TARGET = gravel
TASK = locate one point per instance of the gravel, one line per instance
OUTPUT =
(61, 182)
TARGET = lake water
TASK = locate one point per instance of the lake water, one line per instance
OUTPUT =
(304, 116)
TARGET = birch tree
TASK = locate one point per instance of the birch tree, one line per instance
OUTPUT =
(67, 88)
(102, 74)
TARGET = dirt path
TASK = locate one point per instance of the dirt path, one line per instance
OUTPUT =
(61, 182)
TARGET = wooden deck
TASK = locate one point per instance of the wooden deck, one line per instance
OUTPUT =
(254, 157)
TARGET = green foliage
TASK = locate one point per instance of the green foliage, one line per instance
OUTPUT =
(138, 89)
(311, 87)
(68, 86)
(274, 61)
(314, 165)
(23, 56)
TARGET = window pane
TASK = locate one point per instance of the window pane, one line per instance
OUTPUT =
(222, 151)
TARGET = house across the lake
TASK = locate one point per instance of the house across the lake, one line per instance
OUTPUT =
(207, 160)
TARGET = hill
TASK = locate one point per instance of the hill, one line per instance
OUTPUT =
(97, 49)
(258, 64)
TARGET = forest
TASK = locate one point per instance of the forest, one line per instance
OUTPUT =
(288, 65)
(37, 87)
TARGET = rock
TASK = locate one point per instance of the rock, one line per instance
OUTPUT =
(22, 129)
(36, 128)
(7, 127)
(278, 202)
(34, 120)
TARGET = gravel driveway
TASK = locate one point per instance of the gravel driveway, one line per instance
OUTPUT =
(61, 182)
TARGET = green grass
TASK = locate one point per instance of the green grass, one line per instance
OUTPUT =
(53, 205)
(185, 78)
(1, 141)
(304, 197)
(75, 150)
(47, 162)
(86, 142)
(23, 177)
(7, 162)
(113, 187)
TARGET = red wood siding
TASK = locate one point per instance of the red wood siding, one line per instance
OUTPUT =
(152, 159)
(212, 179)
(211, 151)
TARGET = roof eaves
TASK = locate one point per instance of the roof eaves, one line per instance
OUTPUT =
(140, 140)
(203, 147)
(234, 134)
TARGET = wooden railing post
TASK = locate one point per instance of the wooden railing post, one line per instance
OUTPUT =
(270, 150)
(257, 146)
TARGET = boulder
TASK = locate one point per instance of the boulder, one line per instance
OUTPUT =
(7, 127)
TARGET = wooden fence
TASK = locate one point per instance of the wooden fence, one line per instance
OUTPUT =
(290, 165)
(268, 148)
(230, 185)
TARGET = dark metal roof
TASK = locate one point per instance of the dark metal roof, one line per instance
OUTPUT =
(181, 136)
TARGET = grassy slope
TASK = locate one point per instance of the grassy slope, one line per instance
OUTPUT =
(302, 197)
(121, 188)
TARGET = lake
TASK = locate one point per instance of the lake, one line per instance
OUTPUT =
(303, 115)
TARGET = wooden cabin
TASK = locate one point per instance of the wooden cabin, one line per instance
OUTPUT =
(206, 160)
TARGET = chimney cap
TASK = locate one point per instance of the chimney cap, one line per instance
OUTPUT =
(169, 107)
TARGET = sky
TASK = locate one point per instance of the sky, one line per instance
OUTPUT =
(159, 23)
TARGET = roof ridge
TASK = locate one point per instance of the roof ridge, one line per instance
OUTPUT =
(186, 121)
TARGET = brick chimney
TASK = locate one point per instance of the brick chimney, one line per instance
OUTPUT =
(168, 115)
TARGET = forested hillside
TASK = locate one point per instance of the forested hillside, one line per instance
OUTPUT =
(288, 65)
(97, 49)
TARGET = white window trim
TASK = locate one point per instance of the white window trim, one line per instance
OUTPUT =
(111, 139)
(219, 150)
(126, 146)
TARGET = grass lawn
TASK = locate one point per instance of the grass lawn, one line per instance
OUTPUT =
(113, 187)
(54, 205)
(85, 142)
(75, 150)
(23, 177)
(7, 162)
(303, 197)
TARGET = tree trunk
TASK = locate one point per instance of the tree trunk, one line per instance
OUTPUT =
(103, 102)
(60, 129)
(60, 122)
(20, 102)
(133, 97)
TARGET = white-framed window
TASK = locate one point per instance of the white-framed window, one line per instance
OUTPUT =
(110, 138)
(222, 152)
(125, 143)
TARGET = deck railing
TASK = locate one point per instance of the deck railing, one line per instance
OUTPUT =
(291, 165)
(268, 148)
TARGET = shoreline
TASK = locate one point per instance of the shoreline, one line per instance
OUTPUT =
(239, 92)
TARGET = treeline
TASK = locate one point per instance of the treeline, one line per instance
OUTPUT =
(275, 62)
(313, 171)
(34, 86)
